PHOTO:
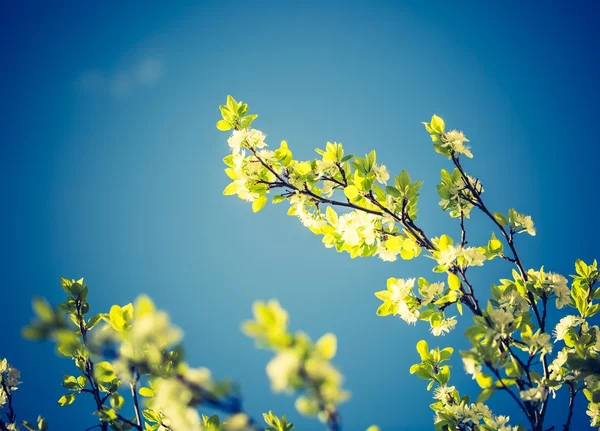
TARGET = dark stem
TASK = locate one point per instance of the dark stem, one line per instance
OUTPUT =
(471, 293)
(567, 426)
(136, 405)
(11, 415)
(89, 366)
(537, 421)
(513, 396)
(463, 232)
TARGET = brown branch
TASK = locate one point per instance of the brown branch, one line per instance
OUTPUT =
(89, 365)
(567, 426)
(136, 405)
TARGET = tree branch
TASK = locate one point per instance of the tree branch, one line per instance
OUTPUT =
(89, 365)
(567, 425)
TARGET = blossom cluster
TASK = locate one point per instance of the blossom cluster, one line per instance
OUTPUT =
(299, 365)
(134, 346)
(513, 348)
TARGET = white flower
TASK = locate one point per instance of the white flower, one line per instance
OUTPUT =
(514, 303)
(281, 369)
(172, 398)
(479, 411)
(564, 325)
(472, 257)
(386, 255)
(406, 314)
(559, 361)
(443, 393)
(445, 326)
(357, 227)
(381, 173)
(456, 140)
(524, 222)
(501, 318)
(401, 288)
(593, 411)
(267, 155)
(553, 283)
(557, 284)
(447, 256)
(537, 394)
(235, 140)
(499, 423)
(472, 366)
(325, 167)
(252, 137)
(540, 341)
(429, 292)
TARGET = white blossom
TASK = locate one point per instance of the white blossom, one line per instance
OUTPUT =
(251, 137)
(456, 140)
(537, 394)
(593, 411)
(406, 314)
(472, 366)
(172, 398)
(381, 173)
(282, 368)
(443, 393)
(445, 326)
(564, 325)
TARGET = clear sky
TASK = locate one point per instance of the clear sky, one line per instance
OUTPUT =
(111, 169)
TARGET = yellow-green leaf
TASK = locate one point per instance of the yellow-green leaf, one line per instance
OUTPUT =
(104, 371)
(223, 125)
(393, 244)
(259, 203)
(453, 281)
(351, 192)
(437, 124)
(484, 381)
(423, 350)
(303, 168)
(231, 189)
(146, 392)
(327, 345)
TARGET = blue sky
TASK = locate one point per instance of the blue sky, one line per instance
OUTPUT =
(111, 169)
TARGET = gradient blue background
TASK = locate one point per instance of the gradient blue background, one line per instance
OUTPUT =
(120, 181)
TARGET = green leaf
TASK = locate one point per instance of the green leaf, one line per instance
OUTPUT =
(423, 350)
(104, 372)
(484, 395)
(393, 191)
(43, 309)
(66, 399)
(223, 125)
(116, 401)
(70, 382)
(351, 192)
(437, 124)
(327, 346)
(453, 281)
(581, 268)
(404, 180)
(501, 219)
(484, 381)
(259, 203)
(494, 245)
(146, 392)
(231, 189)
(93, 321)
